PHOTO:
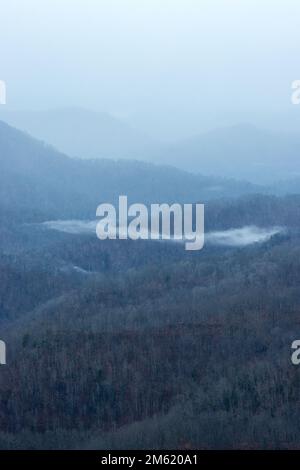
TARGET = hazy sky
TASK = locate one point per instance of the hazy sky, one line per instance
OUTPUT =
(172, 67)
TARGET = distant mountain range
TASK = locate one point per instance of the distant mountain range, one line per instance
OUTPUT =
(83, 133)
(37, 179)
(242, 152)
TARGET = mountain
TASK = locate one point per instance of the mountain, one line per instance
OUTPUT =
(83, 133)
(112, 345)
(242, 152)
(38, 179)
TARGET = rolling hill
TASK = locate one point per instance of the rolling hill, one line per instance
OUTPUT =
(83, 133)
(36, 178)
(242, 152)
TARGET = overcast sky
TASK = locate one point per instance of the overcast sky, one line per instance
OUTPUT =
(172, 67)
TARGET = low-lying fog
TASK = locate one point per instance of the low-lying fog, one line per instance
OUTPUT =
(234, 237)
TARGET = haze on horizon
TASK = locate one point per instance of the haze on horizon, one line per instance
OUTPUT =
(173, 68)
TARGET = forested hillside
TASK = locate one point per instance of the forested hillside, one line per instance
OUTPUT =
(196, 347)
(39, 183)
(140, 344)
